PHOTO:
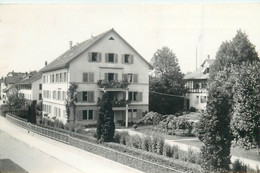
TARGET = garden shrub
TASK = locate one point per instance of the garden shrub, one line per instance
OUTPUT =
(145, 143)
(239, 167)
(135, 141)
(155, 158)
(167, 150)
(175, 151)
(159, 146)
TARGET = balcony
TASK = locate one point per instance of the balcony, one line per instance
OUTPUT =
(113, 85)
(120, 104)
(198, 90)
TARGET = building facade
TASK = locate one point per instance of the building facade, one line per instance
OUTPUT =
(100, 64)
(196, 83)
(31, 87)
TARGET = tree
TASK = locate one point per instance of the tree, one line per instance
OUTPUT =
(106, 125)
(167, 78)
(71, 102)
(15, 101)
(246, 115)
(214, 128)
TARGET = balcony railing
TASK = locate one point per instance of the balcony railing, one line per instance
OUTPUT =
(120, 103)
(113, 84)
(199, 90)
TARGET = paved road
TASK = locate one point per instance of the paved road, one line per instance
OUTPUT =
(38, 154)
(29, 158)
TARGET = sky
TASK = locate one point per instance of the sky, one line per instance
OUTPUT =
(31, 34)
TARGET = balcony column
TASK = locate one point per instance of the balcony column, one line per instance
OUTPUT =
(126, 112)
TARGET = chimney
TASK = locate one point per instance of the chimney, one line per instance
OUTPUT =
(70, 44)
(208, 56)
(46, 63)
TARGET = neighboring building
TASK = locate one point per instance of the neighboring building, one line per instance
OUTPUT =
(106, 57)
(7, 84)
(31, 87)
(196, 83)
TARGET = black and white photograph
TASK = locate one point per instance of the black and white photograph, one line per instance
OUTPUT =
(129, 86)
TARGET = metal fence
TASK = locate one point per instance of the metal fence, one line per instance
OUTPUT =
(39, 130)
(120, 157)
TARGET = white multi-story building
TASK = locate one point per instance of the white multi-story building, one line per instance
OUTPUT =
(31, 87)
(196, 83)
(106, 58)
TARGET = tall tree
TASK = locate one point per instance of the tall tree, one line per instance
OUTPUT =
(215, 130)
(245, 121)
(167, 78)
(106, 125)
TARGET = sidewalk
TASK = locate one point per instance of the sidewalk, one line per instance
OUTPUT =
(252, 163)
(77, 158)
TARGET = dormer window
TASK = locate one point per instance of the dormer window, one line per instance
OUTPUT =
(206, 71)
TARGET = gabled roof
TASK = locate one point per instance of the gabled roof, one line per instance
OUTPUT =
(30, 80)
(12, 73)
(12, 79)
(209, 61)
(199, 73)
(64, 60)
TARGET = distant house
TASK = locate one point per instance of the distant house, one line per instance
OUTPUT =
(31, 87)
(196, 83)
(8, 84)
(104, 58)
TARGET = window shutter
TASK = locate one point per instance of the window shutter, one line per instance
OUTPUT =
(124, 77)
(116, 58)
(95, 114)
(89, 56)
(139, 113)
(135, 78)
(90, 96)
(85, 77)
(99, 57)
(115, 76)
(106, 57)
(131, 59)
(79, 96)
(106, 76)
(140, 97)
(91, 77)
(123, 58)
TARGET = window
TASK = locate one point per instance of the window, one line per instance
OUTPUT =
(110, 76)
(63, 95)
(90, 114)
(65, 77)
(85, 96)
(111, 57)
(127, 58)
(130, 77)
(52, 80)
(40, 86)
(197, 99)
(94, 56)
(54, 95)
(134, 113)
(40, 96)
(57, 77)
(85, 114)
(60, 77)
(43, 79)
(88, 77)
(59, 96)
(135, 96)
